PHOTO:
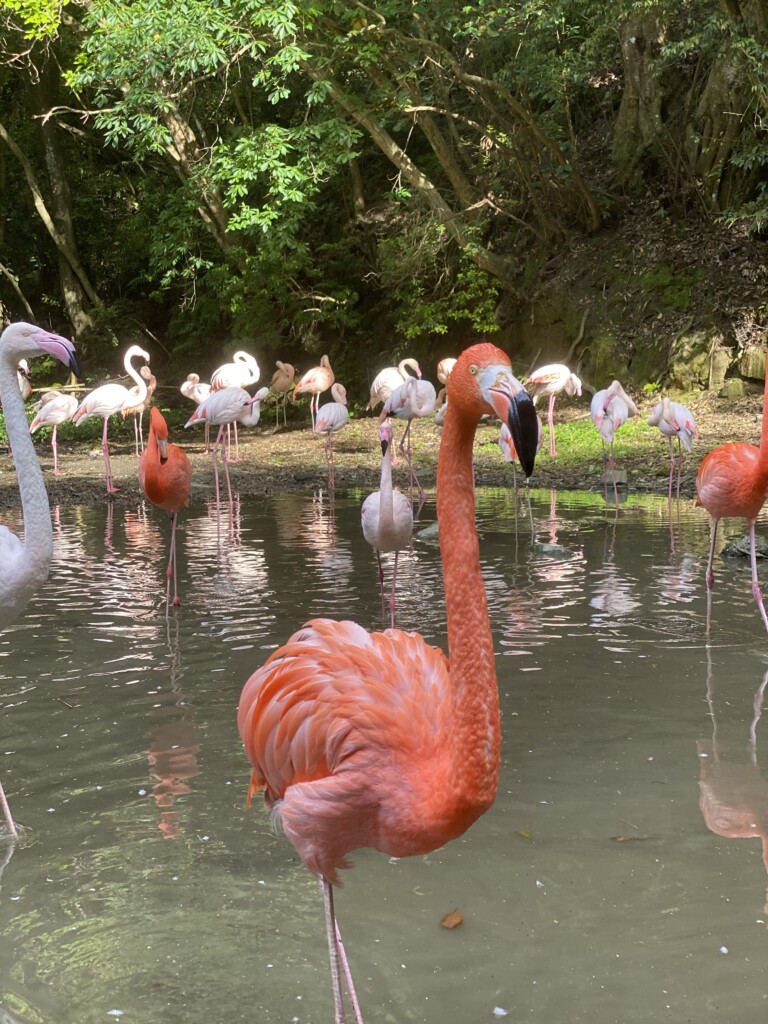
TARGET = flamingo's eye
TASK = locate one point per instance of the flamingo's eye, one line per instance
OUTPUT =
(474, 370)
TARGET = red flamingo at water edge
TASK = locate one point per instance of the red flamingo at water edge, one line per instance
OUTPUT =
(375, 739)
(733, 481)
(549, 381)
(25, 564)
(165, 475)
(110, 399)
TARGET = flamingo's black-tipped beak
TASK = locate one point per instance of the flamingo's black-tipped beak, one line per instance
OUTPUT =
(384, 446)
(514, 406)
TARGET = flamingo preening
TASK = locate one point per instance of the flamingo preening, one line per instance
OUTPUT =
(374, 739)
(549, 381)
(197, 392)
(53, 409)
(240, 373)
(110, 399)
(674, 420)
(610, 409)
(280, 385)
(391, 377)
(412, 400)
(25, 564)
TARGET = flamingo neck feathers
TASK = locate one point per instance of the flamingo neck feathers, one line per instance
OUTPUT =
(38, 531)
(386, 503)
(476, 733)
(140, 382)
(764, 429)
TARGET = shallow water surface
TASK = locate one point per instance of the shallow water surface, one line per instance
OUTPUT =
(605, 885)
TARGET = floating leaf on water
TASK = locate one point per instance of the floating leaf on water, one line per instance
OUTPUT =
(452, 919)
(523, 833)
(628, 839)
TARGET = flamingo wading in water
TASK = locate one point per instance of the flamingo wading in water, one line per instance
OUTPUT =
(330, 418)
(110, 399)
(53, 409)
(240, 373)
(674, 420)
(733, 481)
(25, 564)
(610, 409)
(387, 518)
(551, 380)
(165, 475)
(374, 739)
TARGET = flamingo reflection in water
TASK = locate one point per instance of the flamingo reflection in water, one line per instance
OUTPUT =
(173, 749)
(733, 795)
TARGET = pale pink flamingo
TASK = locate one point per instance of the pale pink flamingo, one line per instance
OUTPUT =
(25, 564)
(54, 408)
(240, 373)
(391, 377)
(387, 518)
(22, 375)
(197, 392)
(376, 739)
(330, 418)
(610, 409)
(108, 400)
(412, 400)
(674, 420)
(137, 408)
(314, 382)
(441, 408)
(549, 381)
(280, 385)
(444, 368)
(221, 409)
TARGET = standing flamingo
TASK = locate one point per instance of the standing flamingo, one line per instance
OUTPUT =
(733, 481)
(110, 399)
(375, 739)
(240, 373)
(610, 409)
(314, 383)
(391, 377)
(165, 475)
(280, 385)
(222, 408)
(551, 380)
(137, 408)
(674, 420)
(331, 418)
(412, 400)
(197, 392)
(387, 518)
(444, 369)
(54, 408)
(25, 564)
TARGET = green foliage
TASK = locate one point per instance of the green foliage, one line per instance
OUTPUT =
(40, 19)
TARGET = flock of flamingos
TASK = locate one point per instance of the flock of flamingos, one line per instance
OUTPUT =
(357, 738)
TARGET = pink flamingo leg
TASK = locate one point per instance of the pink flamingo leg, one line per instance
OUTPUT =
(551, 421)
(755, 583)
(710, 575)
(7, 813)
(225, 461)
(381, 580)
(613, 475)
(338, 961)
(680, 458)
(672, 470)
(111, 489)
(392, 594)
(214, 453)
(55, 446)
(171, 571)
(329, 462)
(237, 445)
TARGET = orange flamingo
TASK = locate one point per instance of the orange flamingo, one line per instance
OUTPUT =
(733, 481)
(371, 739)
(165, 475)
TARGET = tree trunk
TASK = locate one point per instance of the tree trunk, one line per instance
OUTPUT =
(639, 125)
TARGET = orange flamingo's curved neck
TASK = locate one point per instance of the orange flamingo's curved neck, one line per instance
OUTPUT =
(470, 644)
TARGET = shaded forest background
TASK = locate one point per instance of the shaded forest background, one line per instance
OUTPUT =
(578, 180)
